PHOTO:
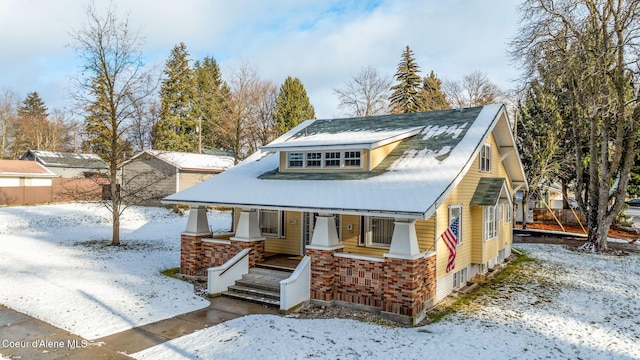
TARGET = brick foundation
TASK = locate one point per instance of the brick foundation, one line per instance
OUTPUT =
(199, 253)
(408, 284)
(323, 273)
(359, 281)
(400, 287)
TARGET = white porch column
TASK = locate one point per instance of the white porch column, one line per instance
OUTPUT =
(404, 242)
(325, 236)
(197, 223)
(248, 227)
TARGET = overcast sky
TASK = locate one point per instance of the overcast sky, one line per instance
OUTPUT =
(322, 42)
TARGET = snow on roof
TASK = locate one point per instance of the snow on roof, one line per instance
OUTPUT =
(65, 159)
(23, 168)
(193, 161)
(410, 182)
(363, 138)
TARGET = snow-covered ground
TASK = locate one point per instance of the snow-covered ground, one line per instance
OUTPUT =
(54, 266)
(565, 305)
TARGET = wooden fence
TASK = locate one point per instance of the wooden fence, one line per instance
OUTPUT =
(61, 190)
(565, 216)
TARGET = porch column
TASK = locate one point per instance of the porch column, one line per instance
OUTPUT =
(404, 242)
(248, 235)
(191, 256)
(324, 244)
(406, 274)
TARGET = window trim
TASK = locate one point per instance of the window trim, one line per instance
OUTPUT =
(460, 278)
(450, 220)
(280, 224)
(366, 233)
(489, 223)
(485, 158)
(342, 159)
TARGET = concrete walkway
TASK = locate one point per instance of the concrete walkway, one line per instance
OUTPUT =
(24, 337)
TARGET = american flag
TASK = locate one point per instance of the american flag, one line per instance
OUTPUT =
(450, 237)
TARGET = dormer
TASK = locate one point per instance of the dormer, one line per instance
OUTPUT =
(350, 150)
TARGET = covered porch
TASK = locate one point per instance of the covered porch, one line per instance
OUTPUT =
(400, 284)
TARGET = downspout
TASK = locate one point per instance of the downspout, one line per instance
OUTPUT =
(177, 179)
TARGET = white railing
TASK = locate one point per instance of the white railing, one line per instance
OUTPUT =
(297, 288)
(221, 277)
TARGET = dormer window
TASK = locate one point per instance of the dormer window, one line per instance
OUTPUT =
(332, 159)
(296, 160)
(352, 158)
(314, 159)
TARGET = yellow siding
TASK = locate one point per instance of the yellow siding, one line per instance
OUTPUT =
(291, 244)
(426, 230)
(350, 238)
(378, 154)
(473, 249)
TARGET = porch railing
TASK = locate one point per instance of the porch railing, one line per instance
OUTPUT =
(221, 277)
(297, 288)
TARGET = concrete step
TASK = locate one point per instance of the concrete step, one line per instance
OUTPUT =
(261, 285)
(252, 298)
(255, 291)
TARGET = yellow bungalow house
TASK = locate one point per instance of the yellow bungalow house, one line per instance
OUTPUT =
(362, 204)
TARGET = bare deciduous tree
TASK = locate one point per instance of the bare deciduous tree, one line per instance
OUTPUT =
(590, 49)
(366, 94)
(475, 89)
(110, 89)
(8, 115)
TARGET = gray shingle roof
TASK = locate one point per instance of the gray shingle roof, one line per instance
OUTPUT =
(64, 159)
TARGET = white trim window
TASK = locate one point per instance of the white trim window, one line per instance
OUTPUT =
(455, 212)
(352, 158)
(376, 231)
(485, 158)
(507, 212)
(271, 223)
(460, 278)
(490, 222)
(314, 159)
(296, 160)
(332, 159)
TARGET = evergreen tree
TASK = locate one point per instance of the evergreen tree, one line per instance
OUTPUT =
(292, 106)
(406, 94)
(211, 92)
(32, 128)
(176, 129)
(433, 98)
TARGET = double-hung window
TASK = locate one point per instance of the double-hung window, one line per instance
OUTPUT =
(490, 223)
(485, 158)
(332, 159)
(296, 160)
(352, 158)
(314, 159)
(376, 231)
(270, 223)
(455, 213)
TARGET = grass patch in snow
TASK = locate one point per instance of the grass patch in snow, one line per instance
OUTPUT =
(466, 300)
(172, 273)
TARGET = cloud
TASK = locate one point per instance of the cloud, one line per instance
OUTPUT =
(321, 42)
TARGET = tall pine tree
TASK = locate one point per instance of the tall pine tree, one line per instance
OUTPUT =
(292, 106)
(406, 94)
(176, 129)
(32, 126)
(211, 92)
(433, 98)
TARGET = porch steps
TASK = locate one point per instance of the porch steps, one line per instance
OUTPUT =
(261, 285)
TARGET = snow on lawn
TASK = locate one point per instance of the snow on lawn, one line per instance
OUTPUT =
(565, 305)
(55, 266)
